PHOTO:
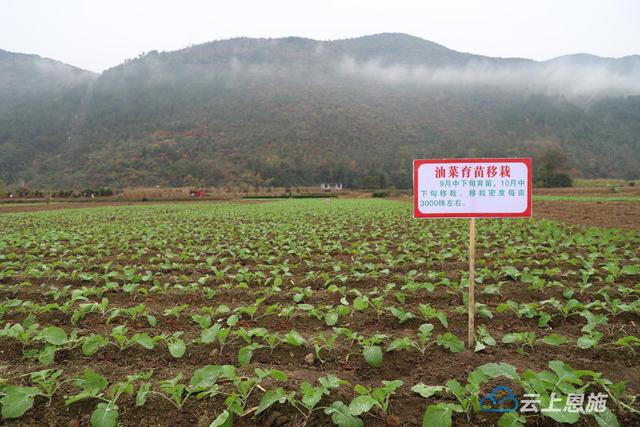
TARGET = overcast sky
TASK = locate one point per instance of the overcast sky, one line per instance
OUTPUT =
(100, 34)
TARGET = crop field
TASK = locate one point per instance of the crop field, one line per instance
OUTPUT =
(310, 312)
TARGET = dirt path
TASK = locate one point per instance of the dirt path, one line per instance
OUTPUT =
(596, 214)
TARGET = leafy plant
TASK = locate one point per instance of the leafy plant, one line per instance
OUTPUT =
(427, 312)
(524, 339)
(450, 342)
(373, 397)
(483, 338)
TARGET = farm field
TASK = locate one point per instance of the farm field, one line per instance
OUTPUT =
(310, 312)
(587, 198)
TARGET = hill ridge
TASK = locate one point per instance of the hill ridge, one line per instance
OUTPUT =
(297, 111)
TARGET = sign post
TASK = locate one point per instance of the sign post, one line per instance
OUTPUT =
(472, 281)
(472, 188)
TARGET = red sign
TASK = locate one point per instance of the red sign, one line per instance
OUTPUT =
(472, 188)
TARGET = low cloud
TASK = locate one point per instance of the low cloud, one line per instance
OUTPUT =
(550, 78)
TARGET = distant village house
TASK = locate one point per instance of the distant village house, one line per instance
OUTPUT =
(331, 187)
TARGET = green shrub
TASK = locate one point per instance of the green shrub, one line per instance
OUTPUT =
(104, 191)
(552, 179)
(380, 194)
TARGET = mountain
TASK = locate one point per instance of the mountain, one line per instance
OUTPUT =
(296, 111)
(28, 76)
(40, 100)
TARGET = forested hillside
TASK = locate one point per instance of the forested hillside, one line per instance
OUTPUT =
(296, 111)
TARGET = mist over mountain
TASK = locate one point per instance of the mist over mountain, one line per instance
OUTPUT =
(296, 111)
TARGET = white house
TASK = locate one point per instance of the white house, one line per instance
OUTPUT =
(331, 187)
